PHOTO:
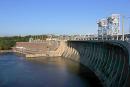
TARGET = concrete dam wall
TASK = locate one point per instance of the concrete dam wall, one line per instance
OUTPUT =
(109, 60)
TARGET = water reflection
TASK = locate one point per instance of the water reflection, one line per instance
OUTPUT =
(16, 71)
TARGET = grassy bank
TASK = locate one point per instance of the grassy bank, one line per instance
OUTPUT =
(7, 42)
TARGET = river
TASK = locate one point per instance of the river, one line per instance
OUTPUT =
(17, 71)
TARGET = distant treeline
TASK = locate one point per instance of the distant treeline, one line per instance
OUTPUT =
(7, 42)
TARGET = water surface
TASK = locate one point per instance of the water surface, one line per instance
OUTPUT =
(17, 71)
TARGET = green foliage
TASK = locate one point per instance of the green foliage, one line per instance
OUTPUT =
(7, 42)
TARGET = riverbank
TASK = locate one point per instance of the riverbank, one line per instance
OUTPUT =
(48, 48)
(5, 51)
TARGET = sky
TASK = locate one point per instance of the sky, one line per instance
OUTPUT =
(24, 17)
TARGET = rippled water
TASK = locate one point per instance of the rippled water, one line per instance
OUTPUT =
(17, 71)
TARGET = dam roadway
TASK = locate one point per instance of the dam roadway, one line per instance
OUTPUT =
(108, 60)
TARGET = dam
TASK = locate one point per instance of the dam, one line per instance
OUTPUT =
(109, 60)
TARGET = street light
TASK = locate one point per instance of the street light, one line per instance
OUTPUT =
(129, 25)
(123, 26)
(129, 28)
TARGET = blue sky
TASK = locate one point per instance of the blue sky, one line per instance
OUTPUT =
(23, 17)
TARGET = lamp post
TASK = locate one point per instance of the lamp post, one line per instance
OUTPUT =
(129, 25)
(123, 17)
(123, 28)
(129, 28)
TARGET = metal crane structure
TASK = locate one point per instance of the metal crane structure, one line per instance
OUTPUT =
(108, 28)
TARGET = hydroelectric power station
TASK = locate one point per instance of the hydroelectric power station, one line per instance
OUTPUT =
(107, 55)
(109, 60)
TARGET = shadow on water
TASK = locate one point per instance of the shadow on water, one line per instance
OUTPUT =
(82, 71)
(90, 76)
